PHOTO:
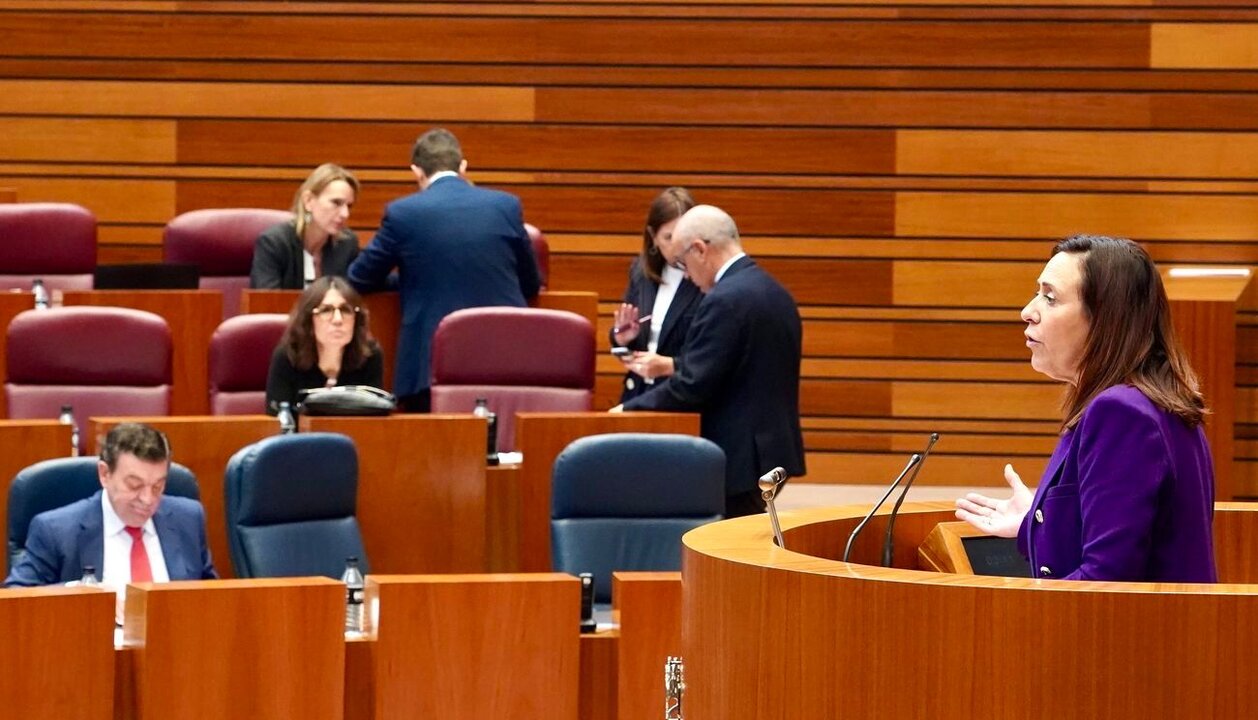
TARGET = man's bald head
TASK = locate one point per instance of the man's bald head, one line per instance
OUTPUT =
(710, 224)
(704, 239)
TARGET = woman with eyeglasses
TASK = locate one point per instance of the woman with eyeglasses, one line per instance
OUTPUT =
(326, 344)
(659, 303)
(317, 241)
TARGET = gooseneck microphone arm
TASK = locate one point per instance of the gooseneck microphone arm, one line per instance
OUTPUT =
(895, 510)
(769, 484)
(852, 538)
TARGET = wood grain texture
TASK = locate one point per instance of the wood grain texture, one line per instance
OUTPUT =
(1108, 649)
(1203, 46)
(11, 303)
(421, 490)
(59, 645)
(475, 646)
(192, 316)
(25, 443)
(203, 444)
(649, 608)
(541, 437)
(596, 694)
(217, 648)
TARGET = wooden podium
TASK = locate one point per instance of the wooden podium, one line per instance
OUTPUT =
(786, 634)
(1203, 309)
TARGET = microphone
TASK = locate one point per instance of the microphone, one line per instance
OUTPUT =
(770, 483)
(861, 526)
(886, 541)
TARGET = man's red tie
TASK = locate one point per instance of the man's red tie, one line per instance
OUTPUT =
(141, 571)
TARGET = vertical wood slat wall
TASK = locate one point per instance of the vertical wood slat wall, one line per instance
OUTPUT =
(902, 168)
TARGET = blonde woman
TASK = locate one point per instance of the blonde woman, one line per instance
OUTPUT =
(317, 241)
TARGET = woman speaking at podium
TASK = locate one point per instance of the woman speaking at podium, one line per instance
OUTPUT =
(1129, 491)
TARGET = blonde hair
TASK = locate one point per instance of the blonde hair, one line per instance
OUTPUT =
(316, 183)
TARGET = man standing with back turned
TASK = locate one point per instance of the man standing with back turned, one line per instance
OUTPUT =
(739, 366)
(455, 246)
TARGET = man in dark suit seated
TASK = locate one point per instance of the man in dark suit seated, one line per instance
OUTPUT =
(127, 531)
(455, 246)
(740, 360)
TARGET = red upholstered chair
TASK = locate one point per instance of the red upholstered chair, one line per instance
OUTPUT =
(520, 359)
(220, 243)
(52, 241)
(240, 357)
(541, 250)
(101, 360)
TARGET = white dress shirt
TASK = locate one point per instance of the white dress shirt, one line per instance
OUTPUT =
(117, 571)
(670, 281)
(307, 269)
(721, 273)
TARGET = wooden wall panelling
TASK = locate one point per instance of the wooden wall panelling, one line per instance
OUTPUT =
(895, 166)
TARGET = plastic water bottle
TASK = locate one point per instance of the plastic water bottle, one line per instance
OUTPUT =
(89, 576)
(67, 418)
(41, 294)
(491, 448)
(353, 579)
(288, 423)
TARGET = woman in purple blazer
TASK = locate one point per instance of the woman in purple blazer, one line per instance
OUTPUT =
(1129, 492)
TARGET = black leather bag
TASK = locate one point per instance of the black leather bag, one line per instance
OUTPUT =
(346, 400)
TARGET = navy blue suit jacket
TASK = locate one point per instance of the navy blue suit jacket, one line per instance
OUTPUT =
(641, 293)
(455, 246)
(741, 373)
(62, 541)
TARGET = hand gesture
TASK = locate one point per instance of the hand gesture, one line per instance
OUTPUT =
(649, 365)
(625, 324)
(1001, 518)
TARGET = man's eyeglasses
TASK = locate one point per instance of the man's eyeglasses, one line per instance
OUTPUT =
(679, 262)
(325, 311)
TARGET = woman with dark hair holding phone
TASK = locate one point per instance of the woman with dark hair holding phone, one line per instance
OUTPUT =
(1129, 492)
(651, 323)
(326, 343)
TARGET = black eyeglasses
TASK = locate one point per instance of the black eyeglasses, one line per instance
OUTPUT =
(346, 310)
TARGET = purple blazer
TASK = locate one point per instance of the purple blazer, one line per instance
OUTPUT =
(1128, 495)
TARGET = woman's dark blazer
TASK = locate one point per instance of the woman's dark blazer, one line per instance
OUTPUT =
(278, 263)
(641, 292)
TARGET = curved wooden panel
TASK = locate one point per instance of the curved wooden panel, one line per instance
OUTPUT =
(835, 639)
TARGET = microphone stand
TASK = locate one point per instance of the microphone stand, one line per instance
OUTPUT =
(770, 483)
(847, 551)
(886, 541)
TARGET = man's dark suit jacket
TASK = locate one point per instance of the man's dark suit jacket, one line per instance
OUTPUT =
(455, 246)
(641, 293)
(62, 541)
(278, 263)
(741, 373)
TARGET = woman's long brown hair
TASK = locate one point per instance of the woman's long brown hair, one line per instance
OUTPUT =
(1130, 336)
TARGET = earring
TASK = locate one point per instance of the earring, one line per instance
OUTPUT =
(653, 251)
(306, 217)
